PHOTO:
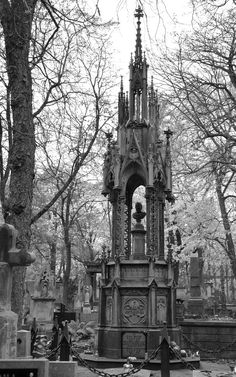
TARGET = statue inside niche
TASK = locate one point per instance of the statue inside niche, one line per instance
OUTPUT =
(44, 284)
(161, 310)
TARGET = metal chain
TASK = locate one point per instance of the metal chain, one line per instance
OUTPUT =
(53, 352)
(182, 359)
(216, 351)
(126, 374)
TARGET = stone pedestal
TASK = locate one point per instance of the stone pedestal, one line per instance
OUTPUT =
(42, 311)
(138, 242)
(23, 343)
(136, 302)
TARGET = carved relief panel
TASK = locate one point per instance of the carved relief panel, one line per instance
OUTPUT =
(134, 311)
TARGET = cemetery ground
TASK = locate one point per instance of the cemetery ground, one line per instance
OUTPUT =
(207, 368)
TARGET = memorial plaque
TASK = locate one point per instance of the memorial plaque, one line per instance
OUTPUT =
(133, 344)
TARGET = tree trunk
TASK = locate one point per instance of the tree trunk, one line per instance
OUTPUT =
(67, 271)
(53, 256)
(16, 19)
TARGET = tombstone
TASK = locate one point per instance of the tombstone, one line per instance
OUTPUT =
(9, 256)
(195, 303)
(43, 300)
(59, 291)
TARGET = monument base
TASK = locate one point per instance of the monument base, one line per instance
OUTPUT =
(120, 343)
(86, 309)
(196, 305)
(155, 364)
(8, 334)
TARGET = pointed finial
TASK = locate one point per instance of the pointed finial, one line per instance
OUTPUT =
(152, 83)
(121, 84)
(138, 49)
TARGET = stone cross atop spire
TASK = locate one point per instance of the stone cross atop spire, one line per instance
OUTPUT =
(138, 47)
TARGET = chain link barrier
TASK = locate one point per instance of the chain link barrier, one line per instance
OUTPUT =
(53, 352)
(182, 359)
(125, 374)
(134, 370)
(201, 349)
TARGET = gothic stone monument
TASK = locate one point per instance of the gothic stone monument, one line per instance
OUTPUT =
(9, 256)
(138, 294)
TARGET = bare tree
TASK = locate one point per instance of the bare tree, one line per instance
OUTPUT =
(32, 41)
(200, 83)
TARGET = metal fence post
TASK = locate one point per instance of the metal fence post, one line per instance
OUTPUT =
(165, 353)
(34, 332)
(65, 344)
(55, 340)
(165, 358)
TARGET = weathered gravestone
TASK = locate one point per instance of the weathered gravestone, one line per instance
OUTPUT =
(9, 256)
(195, 304)
(43, 300)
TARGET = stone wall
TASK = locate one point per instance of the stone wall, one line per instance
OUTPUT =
(210, 336)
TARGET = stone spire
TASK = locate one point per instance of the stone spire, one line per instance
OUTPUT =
(138, 47)
(138, 78)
